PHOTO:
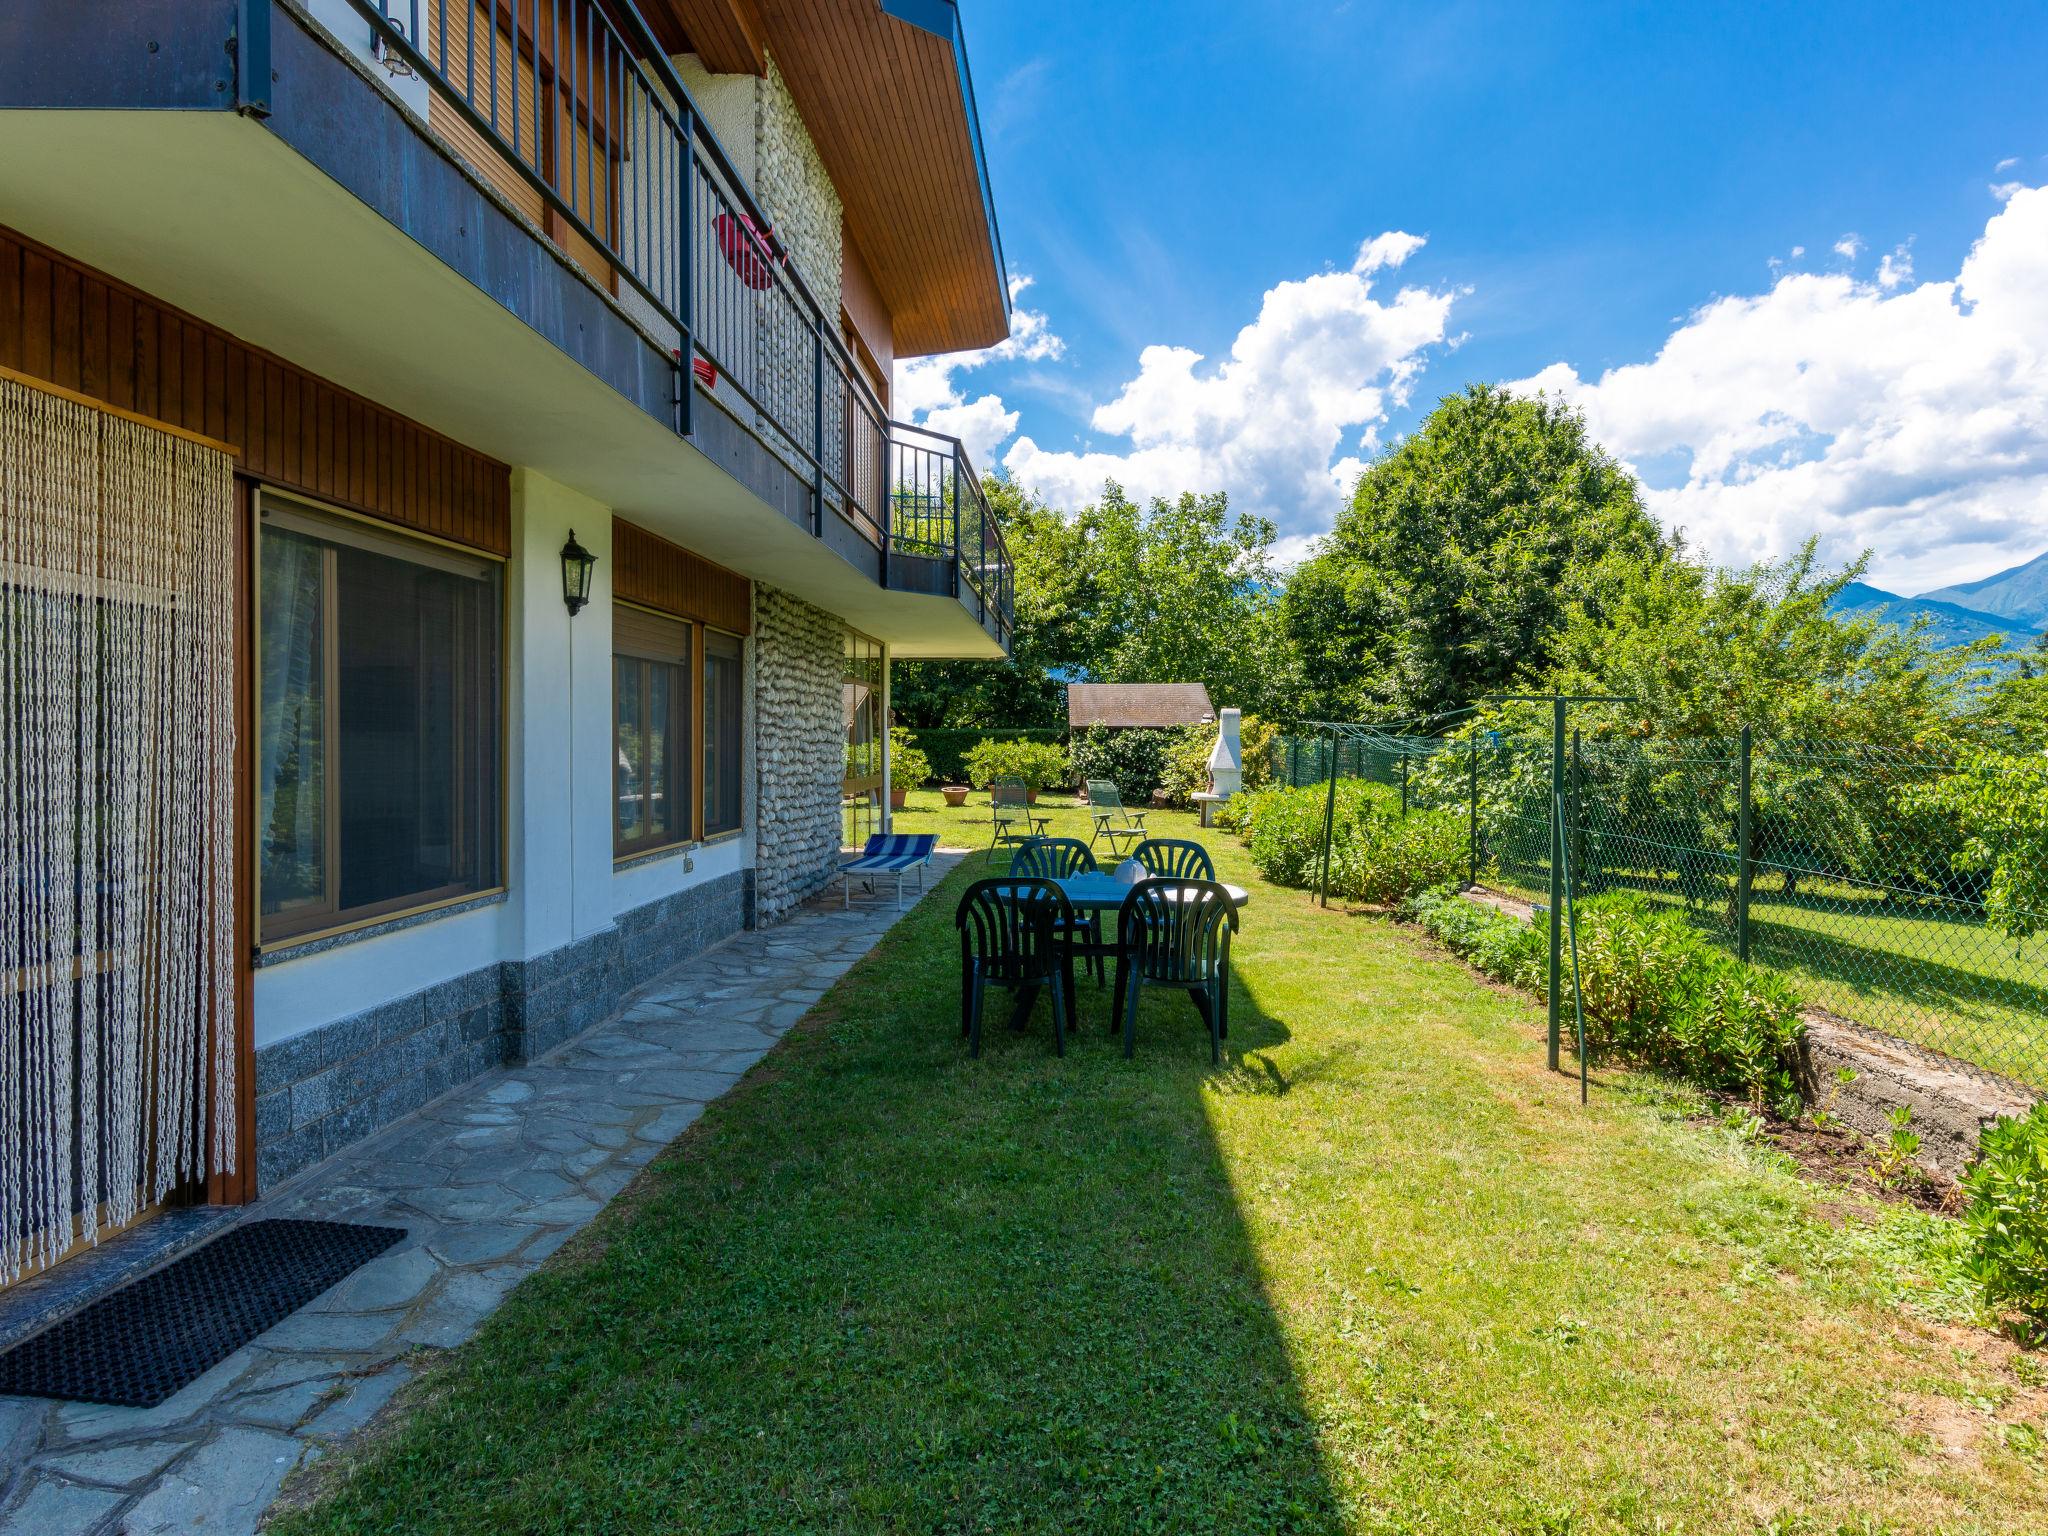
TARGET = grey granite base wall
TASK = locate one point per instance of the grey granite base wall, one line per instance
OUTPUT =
(329, 1087)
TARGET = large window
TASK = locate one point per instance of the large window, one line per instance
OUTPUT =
(861, 702)
(722, 663)
(378, 745)
(651, 706)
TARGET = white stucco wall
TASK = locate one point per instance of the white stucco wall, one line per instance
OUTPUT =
(562, 883)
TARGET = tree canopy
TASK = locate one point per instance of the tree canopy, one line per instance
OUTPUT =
(1120, 592)
(1463, 551)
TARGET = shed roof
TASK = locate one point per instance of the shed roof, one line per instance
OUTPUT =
(1120, 705)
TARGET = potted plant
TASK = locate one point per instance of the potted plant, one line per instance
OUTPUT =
(1036, 763)
(909, 768)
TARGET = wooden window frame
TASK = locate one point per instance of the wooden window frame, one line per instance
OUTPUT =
(705, 633)
(308, 922)
(688, 669)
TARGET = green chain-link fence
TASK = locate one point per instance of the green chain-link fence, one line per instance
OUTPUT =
(1818, 860)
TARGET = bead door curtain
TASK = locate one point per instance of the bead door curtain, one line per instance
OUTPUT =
(117, 740)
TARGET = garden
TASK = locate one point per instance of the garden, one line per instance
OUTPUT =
(1380, 1271)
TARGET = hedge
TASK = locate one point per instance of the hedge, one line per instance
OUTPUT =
(948, 746)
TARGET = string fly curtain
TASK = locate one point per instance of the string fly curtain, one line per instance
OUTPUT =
(117, 740)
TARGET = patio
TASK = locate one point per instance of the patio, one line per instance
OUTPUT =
(1377, 1272)
(488, 1182)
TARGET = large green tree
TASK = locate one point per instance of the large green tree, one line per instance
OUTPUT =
(1179, 590)
(1463, 551)
(1699, 652)
(1024, 690)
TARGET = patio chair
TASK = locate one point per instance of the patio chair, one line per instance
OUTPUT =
(1175, 858)
(1010, 805)
(1009, 935)
(1112, 821)
(1176, 933)
(889, 853)
(1061, 858)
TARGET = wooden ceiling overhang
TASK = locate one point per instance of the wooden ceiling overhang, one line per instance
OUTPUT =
(885, 91)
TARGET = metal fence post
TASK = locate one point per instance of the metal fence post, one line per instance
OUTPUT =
(1744, 855)
(1472, 820)
(1329, 826)
(1404, 781)
(1556, 869)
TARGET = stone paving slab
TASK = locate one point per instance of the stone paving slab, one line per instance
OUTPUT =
(487, 1182)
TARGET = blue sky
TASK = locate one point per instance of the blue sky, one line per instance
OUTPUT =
(1588, 180)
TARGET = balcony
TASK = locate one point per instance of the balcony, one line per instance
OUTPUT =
(509, 221)
(576, 99)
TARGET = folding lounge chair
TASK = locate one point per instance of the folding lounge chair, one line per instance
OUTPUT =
(891, 853)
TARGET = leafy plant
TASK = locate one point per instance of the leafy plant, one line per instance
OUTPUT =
(1824, 1117)
(2007, 1216)
(1038, 763)
(908, 766)
(1652, 989)
(2000, 800)
(1376, 854)
(1894, 1160)
(1134, 760)
(1505, 947)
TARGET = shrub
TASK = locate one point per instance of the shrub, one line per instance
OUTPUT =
(1653, 989)
(2007, 1217)
(1504, 946)
(1039, 764)
(1377, 855)
(1134, 760)
(1185, 773)
(908, 766)
(948, 746)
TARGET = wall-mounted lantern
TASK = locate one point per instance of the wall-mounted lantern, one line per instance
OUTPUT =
(576, 565)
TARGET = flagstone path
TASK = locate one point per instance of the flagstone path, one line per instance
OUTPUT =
(487, 1182)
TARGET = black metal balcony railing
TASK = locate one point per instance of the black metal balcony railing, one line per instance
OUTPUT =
(578, 100)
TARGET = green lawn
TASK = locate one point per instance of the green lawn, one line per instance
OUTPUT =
(1379, 1272)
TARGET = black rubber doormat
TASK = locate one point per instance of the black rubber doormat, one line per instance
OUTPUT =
(136, 1346)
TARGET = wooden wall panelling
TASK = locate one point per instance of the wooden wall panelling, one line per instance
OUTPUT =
(649, 570)
(75, 328)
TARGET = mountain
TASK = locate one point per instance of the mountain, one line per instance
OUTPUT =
(2016, 595)
(1947, 623)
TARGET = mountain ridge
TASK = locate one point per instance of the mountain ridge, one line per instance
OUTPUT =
(2018, 594)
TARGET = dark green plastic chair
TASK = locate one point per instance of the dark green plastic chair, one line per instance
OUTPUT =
(1176, 933)
(1061, 858)
(1010, 934)
(1175, 858)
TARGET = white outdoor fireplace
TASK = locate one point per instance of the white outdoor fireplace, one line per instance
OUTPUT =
(1226, 764)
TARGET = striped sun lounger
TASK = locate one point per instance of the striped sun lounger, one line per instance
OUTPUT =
(893, 853)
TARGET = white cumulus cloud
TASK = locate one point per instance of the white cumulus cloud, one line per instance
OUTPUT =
(1911, 419)
(926, 390)
(1849, 247)
(1313, 375)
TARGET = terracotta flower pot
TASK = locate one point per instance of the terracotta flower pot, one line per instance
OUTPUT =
(1031, 795)
(898, 793)
(956, 795)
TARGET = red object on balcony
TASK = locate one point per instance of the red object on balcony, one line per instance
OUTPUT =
(748, 248)
(706, 371)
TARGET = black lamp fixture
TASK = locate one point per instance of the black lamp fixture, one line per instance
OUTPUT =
(576, 564)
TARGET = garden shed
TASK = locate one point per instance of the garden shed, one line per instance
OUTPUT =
(1129, 706)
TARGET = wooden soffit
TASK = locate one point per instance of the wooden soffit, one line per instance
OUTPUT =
(884, 88)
